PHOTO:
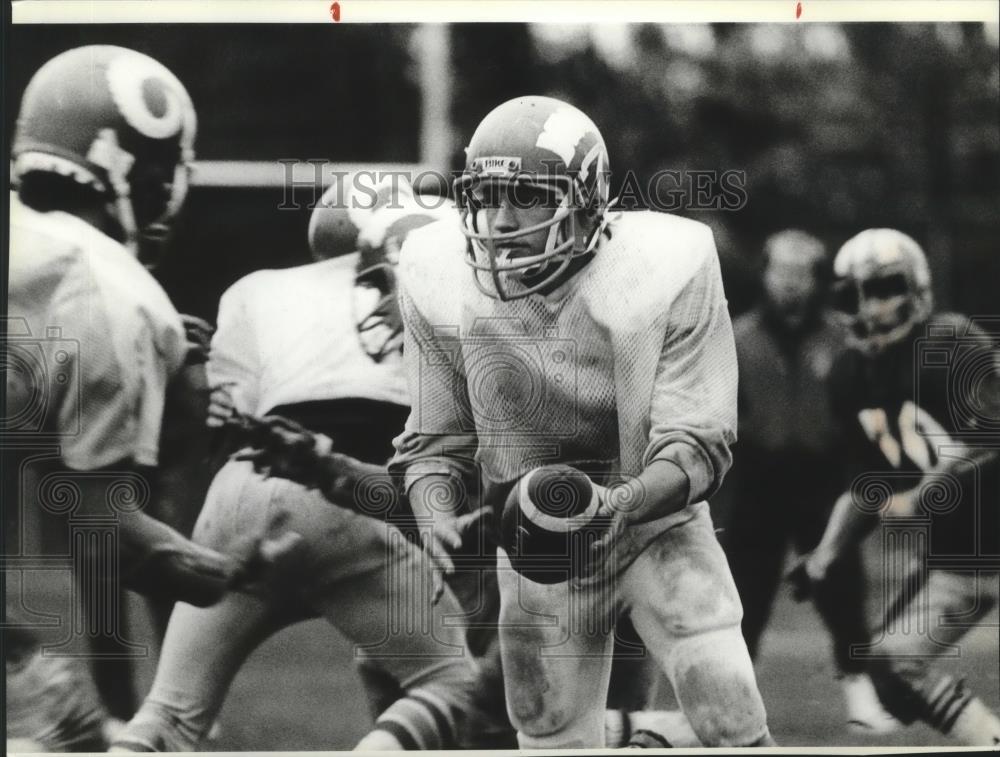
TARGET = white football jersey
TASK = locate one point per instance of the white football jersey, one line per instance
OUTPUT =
(631, 359)
(288, 336)
(95, 337)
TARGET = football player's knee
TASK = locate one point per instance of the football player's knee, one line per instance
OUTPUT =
(910, 690)
(687, 596)
(558, 725)
(550, 717)
(542, 718)
(536, 708)
(718, 693)
(741, 723)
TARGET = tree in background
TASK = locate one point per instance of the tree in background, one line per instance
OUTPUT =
(838, 127)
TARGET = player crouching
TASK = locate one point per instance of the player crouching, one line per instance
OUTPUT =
(618, 323)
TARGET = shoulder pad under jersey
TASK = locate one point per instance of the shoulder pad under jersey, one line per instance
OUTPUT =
(650, 258)
(433, 272)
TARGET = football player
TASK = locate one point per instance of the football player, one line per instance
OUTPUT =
(785, 476)
(590, 341)
(319, 344)
(101, 153)
(627, 723)
(919, 396)
(583, 337)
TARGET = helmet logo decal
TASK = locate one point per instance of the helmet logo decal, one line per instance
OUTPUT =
(562, 132)
(146, 96)
(497, 165)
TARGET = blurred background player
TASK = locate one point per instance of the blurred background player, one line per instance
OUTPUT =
(103, 145)
(319, 344)
(550, 264)
(918, 395)
(788, 466)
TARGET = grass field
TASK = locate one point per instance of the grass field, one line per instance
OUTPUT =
(299, 690)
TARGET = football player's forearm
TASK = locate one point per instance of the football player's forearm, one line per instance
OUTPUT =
(660, 490)
(342, 477)
(435, 495)
(963, 469)
(158, 561)
(847, 526)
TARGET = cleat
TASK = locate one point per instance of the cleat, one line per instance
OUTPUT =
(646, 739)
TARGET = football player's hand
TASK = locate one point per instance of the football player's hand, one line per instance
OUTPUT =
(283, 448)
(221, 408)
(444, 538)
(185, 572)
(268, 566)
(158, 562)
(809, 571)
(600, 553)
(199, 338)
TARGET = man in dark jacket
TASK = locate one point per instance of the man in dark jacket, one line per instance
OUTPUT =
(788, 465)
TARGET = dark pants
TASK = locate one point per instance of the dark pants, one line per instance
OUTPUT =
(773, 500)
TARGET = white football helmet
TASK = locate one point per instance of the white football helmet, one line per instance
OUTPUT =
(545, 144)
(882, 288)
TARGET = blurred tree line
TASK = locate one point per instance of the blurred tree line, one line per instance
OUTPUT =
(837, 128)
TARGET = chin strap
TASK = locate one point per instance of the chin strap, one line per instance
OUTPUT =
(608, 215)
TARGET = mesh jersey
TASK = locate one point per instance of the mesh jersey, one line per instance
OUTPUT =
(93, 340)
(288, 336)
(931, 400)
(632, 359)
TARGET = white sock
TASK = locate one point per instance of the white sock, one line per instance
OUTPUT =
(865, 712)
(614, 728)
(379, 741)
(976, 725)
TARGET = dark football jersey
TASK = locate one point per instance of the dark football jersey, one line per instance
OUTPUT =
(932, 400)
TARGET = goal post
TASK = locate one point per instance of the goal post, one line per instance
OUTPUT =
(317, 175)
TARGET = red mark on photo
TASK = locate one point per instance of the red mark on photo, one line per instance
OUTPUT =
(798, 10)
(335, 11)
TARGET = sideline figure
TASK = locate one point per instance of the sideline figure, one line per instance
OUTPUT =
(789, 466)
